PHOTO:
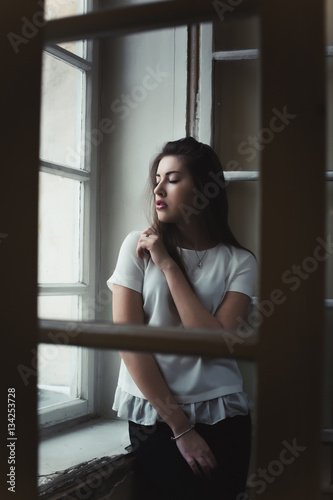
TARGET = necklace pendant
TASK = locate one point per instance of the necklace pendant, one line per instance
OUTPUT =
(200, 264)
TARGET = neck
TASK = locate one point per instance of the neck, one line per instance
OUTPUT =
(196, 236)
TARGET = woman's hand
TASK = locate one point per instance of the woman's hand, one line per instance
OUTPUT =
(197, 453)
(150, 242)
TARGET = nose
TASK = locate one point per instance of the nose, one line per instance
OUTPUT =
(159, 189)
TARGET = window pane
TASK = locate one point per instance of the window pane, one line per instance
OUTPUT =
(329, 83)
(236, 90)
(329, 87)
(237, 135)
(329, 233)
(58, 365)
(244, 212)
(328, 370)
(55, 9)
(76, 47)
(62, 113)
(236, 34)
(57, 374)
(59, 229)
(62, 307)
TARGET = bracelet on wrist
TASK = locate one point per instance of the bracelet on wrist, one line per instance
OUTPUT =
(174, 438)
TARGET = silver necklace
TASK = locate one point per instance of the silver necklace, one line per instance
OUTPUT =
(200, 264)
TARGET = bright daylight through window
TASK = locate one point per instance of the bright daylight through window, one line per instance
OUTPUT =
(64, 201)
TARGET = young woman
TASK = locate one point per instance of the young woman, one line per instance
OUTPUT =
(189, 419)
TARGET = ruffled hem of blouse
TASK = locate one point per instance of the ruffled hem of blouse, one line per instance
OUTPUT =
(210, 412)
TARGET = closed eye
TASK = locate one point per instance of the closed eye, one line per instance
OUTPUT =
(170, 182)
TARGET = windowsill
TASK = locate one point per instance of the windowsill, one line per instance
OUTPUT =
(84, 442)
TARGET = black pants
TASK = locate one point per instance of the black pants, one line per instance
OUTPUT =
(162, 462)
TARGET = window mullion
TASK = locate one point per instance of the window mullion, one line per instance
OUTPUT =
(63, 171)
(246, 55)
(244, 175)
(103, 335)
(53, 289)
(68, 57)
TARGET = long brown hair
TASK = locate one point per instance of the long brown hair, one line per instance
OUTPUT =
(206, 170)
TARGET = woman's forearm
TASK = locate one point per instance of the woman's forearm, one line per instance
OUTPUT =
(128, 308)
(191, 311)
(148, 378)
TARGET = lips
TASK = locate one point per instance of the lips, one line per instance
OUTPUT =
(160, 204)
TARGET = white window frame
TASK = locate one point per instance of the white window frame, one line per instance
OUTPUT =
(83, 407)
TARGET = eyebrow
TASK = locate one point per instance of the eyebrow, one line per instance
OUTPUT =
(171, 172)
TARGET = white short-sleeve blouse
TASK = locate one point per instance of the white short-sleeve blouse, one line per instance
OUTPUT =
(207, 389)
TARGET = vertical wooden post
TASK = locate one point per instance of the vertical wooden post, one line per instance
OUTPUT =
(193, 48)
(21, 24)
(293, 250)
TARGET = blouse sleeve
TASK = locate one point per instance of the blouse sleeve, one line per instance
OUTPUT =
(242, 273)
(129, 271)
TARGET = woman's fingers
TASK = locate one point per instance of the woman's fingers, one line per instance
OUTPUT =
(143, 244)
(206, 470)
(200, 467)
(151, 243)
(148, 232)
(197, 454)
(192, 463)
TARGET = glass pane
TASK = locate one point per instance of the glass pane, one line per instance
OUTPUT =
(237, 33)
(55, 9)
(244, 211)
(329, 83)
(58, 365)
(328, 370)
(62, 307)
(236, 88)
(329, 238)
(329, 88)
(238, 138)
(62, 113)
(59, 229)
(57, 374)
(76, 47)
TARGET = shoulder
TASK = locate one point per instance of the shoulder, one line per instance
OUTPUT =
(241, 272)
(131, 240)
(240, 258)
(133, 236)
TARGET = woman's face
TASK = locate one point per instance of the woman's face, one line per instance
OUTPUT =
(174, 189)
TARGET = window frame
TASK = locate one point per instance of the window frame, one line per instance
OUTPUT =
(83, 406)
